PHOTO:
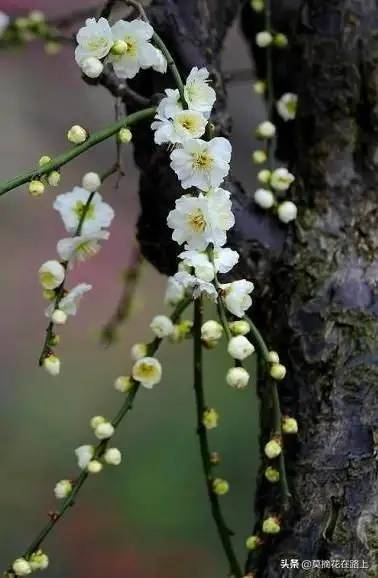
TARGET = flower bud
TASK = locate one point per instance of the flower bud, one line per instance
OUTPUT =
(44, 160)
(54, 340)
(210, 418)
(259, 157)
(138, 351)
(181, 331)
(257, 5)
(63, 489)
(125, 135)
(96, 420)
(94, 467)
(240, 327)
(39, 561)
(21, 567)
(51, 274)
(211, 332)
(266, 130)
(119, 47)
(51, 363)
(237, 377)
(264, 176)
(272, 475)
(253, 542)
(53, 178)
(36, 188)
(147, 371)
(259, 87)
(287, 211)
(273, 449)
(273, 357)
(278, 371)
(220, 486)
(289, 425)
(123, 383)
(215, 458)
(92, 67)
(264, 198)
(36, 16)
(281, 179)
(91, 182)
(264, 39)
(84, 455)
(113, 456)
(239, 347)
(77, 134)
(48, 294)
(280, 40)
(271, 525)
(161, 326)
(104, 430)
(59, 317)
(52, 47)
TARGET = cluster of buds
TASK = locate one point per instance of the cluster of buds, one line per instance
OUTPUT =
(25, 566)
(276, 369)
(24, 29)
(38, 184)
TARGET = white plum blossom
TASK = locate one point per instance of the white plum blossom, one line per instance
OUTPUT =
(197, 92)
(239, 347)
(174, 292)
(51, 274)
(138, 350)
(62, 489)
(266, 130)
(237, 377)
(287, 106)
(139, 51)
(169, 105)
(211, 331)
(161, 326)
(104, 430)
(182, 126)
(113, 456)
(84, 455)
(195, 285)
(147, 371)
(264, 198)
(92, 67)
(287, 211)
(70, 302)
(51, 363)
(281, 179)
(224, 261)
(4, 21)
(82, 247)
(236, 296)
(21, 567)
(71, 206)
(94, 39)
(202, 164)
(201, 220)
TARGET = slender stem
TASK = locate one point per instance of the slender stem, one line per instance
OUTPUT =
(62, 159)
(269, 82)
(101, 446)
(172, 66)
(223, 530)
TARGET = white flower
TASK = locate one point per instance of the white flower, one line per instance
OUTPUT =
(237, 377)
(281, 179)
(139, 53)
(160, 62)
(197, 92)
(138, 351)
(94, 39)
(202, 164)
(287, 106)
(266, 129)
(4, 21)
(70, 302)
(52, 364)
(38, 561)
(211, 331)
(196, 286)
(71, 206)
(174, 292)
(113, 456)
(224, 261)
(236, 296)
(184, 125)
(84, 455)
(162, 326)
(104, 430)
(169, 105)
(81, 248)
(92, 67)
(201, 220)
(51, 274)
(264, 38)
(63, 489)
(287, 211)
(58, 317)
(96, 420)
(21, 567)
(239, 347)
(147, 371)
(91, 182)
(264, 198)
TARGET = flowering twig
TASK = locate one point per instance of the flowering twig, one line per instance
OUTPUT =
(223, 531)
(99, 451)
(62, 159)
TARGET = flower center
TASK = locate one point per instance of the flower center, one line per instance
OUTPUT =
(146, 370)
(197, 221)
(87, 249)
(79, 210)
(97, 42)
(131, 46)
(203, 161)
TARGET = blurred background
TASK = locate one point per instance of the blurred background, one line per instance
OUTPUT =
(150, 516)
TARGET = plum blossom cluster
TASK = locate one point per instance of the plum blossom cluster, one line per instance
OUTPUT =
(86, 217)
(126, 46)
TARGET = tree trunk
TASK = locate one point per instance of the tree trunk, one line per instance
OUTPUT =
(316, 297)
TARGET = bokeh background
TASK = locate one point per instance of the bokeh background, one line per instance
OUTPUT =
(150, 516)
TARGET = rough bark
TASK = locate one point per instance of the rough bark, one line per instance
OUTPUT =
(316, 294)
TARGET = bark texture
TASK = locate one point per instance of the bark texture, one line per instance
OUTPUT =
(316, 282)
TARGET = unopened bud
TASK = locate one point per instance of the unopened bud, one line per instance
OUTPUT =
(278, 371)
(36, 188)
(273, 449)
(77, 134)
(125, 135)
(289, 425)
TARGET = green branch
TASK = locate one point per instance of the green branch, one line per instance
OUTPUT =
(64, 158)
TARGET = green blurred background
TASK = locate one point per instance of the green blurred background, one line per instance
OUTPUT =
(150, 516)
